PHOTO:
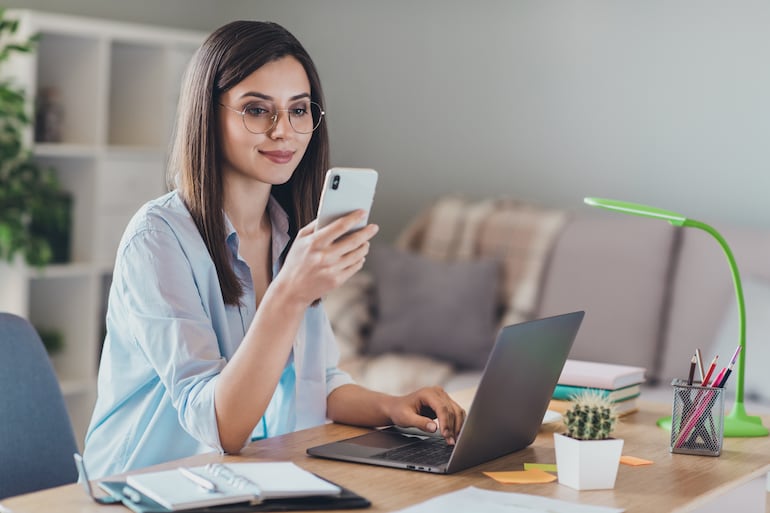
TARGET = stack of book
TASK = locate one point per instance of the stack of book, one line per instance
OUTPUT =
(620, 383)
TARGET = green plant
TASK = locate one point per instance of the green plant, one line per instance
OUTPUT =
(34, 210)
(590, 416)
(53, 340)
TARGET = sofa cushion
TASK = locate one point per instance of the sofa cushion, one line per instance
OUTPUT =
(519, 234)
(446, 310)
(615, 267)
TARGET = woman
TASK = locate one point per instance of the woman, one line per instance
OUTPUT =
(213, 337)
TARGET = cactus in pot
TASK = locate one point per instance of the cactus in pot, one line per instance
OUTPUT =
(587, 456)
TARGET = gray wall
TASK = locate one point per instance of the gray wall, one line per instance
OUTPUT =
(656, 101)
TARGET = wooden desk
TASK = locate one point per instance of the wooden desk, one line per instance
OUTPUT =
(673, 483)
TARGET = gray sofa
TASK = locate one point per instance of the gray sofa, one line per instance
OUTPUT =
(652, 293)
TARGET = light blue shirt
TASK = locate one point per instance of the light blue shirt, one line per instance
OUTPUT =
(169, 335)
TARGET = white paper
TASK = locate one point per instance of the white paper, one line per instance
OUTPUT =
(488, 501)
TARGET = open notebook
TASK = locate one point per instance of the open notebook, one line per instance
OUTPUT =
(232, 483)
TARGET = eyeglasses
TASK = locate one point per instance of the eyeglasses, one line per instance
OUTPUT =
(260, 117)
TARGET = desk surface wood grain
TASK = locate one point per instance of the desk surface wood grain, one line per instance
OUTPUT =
(674, 482)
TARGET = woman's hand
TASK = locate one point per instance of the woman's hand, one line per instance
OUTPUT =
(320, 261)
(420, 409)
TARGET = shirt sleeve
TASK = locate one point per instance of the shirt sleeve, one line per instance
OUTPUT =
(167, 321)
(335, 377)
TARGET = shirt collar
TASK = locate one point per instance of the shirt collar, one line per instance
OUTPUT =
(279, 222)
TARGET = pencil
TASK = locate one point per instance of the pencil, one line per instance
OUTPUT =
(705, 381)
(693, 361)
(700, 364)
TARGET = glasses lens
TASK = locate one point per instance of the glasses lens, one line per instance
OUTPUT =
(305, 117)
(258, 117)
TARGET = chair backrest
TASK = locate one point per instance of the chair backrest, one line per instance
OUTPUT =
(36, 437)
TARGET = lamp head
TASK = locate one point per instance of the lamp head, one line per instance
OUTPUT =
(637, 210)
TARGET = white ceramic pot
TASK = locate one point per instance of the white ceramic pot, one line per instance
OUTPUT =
(587, 464)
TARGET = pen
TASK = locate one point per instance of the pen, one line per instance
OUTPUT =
(201, 481)
(700, 364)
(727, 375)
(705, 381)
(729, 368)
(132, 494)
(692, 370)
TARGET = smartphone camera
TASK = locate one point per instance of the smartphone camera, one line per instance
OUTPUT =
(335, 182)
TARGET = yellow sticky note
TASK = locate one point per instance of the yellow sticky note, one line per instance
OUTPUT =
(634, 461)
(548, 467)
(522, 476)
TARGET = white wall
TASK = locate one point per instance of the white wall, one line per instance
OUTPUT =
(659, 101)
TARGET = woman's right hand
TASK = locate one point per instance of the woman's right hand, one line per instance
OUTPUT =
(320, 261)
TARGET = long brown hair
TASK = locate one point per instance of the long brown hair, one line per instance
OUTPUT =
(226, 57)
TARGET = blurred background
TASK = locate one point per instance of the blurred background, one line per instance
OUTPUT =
(657, 102)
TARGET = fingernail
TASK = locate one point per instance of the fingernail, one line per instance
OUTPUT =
(431, 427)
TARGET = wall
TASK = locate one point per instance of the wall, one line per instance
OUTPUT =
(548, 100)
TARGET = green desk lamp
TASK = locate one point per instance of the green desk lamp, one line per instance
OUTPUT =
(737, 422)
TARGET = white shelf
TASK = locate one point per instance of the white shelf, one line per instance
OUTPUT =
(118, 85)
(75, 387)
(67, 150)
(72, 270)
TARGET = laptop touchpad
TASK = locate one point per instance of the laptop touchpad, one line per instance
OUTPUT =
(383, 440)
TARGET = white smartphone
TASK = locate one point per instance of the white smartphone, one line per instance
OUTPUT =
(346, 189)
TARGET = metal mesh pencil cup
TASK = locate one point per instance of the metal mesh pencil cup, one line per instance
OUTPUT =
(697, 420)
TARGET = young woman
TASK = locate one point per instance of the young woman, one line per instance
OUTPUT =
(214, 336)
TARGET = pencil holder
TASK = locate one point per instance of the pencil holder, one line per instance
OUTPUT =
(697, 420)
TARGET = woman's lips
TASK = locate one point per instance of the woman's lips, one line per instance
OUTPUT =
(278, 156)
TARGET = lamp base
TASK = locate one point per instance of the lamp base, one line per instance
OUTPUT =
(738, 424)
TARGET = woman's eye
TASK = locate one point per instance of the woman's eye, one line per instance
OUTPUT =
(298, 112)
(257, 111)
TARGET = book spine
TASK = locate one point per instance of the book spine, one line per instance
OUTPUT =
(566, 392)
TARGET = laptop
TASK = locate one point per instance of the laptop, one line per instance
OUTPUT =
(505, 415)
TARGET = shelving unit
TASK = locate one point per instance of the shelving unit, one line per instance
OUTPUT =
(118, 87)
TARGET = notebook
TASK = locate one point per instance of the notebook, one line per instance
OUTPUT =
(608, 376)
(233, 482)
(505, 415)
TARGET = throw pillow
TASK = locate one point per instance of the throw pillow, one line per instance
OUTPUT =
(756, 295)
(446, 310)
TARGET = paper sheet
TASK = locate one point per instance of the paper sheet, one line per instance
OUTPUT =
(476, 499)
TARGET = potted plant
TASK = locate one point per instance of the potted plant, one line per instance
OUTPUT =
(587, 457)
(34, 210)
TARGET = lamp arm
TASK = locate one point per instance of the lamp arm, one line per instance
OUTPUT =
(739, 298)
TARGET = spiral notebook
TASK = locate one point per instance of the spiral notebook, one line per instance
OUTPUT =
(230, 484)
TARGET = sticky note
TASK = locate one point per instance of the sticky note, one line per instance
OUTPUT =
(522, 476)
(634, 461)
(548, 467)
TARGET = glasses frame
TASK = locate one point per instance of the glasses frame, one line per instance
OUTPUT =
(274, 117)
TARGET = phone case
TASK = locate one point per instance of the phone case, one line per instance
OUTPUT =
(346, 190)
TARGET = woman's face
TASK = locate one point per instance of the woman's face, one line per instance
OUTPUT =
(281, 87)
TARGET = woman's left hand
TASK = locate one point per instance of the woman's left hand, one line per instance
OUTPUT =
(420, 409)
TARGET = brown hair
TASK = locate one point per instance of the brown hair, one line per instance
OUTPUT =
(226, 57)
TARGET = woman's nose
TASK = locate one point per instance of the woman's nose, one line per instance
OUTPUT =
(281, 125)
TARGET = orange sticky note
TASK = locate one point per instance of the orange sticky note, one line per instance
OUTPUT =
(634, 461)
(522, 476)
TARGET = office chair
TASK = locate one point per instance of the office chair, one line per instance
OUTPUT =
(36, 437)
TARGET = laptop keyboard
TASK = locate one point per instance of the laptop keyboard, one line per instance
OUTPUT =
(430, 452)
